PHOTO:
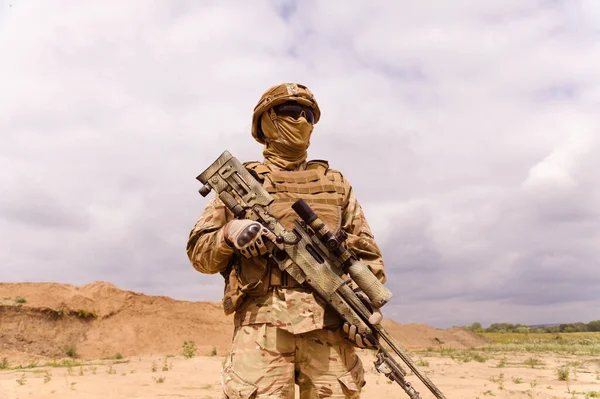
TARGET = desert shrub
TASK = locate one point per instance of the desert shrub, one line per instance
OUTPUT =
(533, 383)
(4, 364)
(189, 349)
(470, 355)
(116, 356)
(562, 373)
(32, 364)
(86, 314)
(20, 299)
(479, 358)
(532, 362)
(70, 351)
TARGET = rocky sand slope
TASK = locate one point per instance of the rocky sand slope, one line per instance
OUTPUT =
(100, 320)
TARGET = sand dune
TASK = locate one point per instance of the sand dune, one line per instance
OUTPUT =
(100, 320)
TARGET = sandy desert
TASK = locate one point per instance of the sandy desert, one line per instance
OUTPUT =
(98, 341)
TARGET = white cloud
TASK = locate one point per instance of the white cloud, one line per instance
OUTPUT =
(556, 170)
(469, 131)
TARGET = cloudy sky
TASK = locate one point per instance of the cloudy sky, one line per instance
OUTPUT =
(469, 130)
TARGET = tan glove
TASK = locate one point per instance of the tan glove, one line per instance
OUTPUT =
(248, 237)
(364, 340)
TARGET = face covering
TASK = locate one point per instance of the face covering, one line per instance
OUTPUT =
(286, 140)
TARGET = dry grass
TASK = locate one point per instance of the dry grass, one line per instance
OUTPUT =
(585, 343)
(565, 338)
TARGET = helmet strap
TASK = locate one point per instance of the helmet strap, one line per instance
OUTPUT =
(273, 117)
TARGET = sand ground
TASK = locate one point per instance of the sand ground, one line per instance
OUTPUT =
(44, 321)
(199, 377)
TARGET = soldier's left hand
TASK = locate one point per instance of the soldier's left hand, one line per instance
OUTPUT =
(376, 315)
(360, 339)
(364, 340)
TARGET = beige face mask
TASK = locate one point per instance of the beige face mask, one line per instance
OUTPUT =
(286, 139)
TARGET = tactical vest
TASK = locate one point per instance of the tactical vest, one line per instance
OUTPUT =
(322, 188)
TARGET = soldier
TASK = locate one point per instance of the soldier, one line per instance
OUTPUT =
(284, 335)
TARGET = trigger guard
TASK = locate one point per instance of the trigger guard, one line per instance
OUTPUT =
(281, 239)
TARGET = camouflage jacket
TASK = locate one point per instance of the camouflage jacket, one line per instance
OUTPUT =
(294, 309)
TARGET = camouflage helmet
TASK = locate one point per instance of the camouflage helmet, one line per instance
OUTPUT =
(280, 94)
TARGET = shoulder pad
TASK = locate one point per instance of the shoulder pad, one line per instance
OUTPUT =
(336, 172)
(250, 164)
(337, 176)
(257, 167)
(317, 164)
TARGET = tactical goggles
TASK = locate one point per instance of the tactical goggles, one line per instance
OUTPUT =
(295, 110)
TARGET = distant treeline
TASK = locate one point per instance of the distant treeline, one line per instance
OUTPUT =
(521, 328)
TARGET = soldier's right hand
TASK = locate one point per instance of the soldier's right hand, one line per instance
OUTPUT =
(248, 237)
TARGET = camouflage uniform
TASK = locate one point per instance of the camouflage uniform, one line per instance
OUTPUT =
(283, 332)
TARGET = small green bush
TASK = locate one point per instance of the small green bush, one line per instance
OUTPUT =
(22, 380)
(562, 374)
(189, 349)
(70, 351)
(479, 358)
(532, 362)
(86, 314)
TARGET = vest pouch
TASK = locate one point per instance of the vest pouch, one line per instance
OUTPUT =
(233, 296)
(331, 215)
(254, 276)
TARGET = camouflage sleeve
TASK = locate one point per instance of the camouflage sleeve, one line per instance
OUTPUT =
(206, 246)
(360, 238)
